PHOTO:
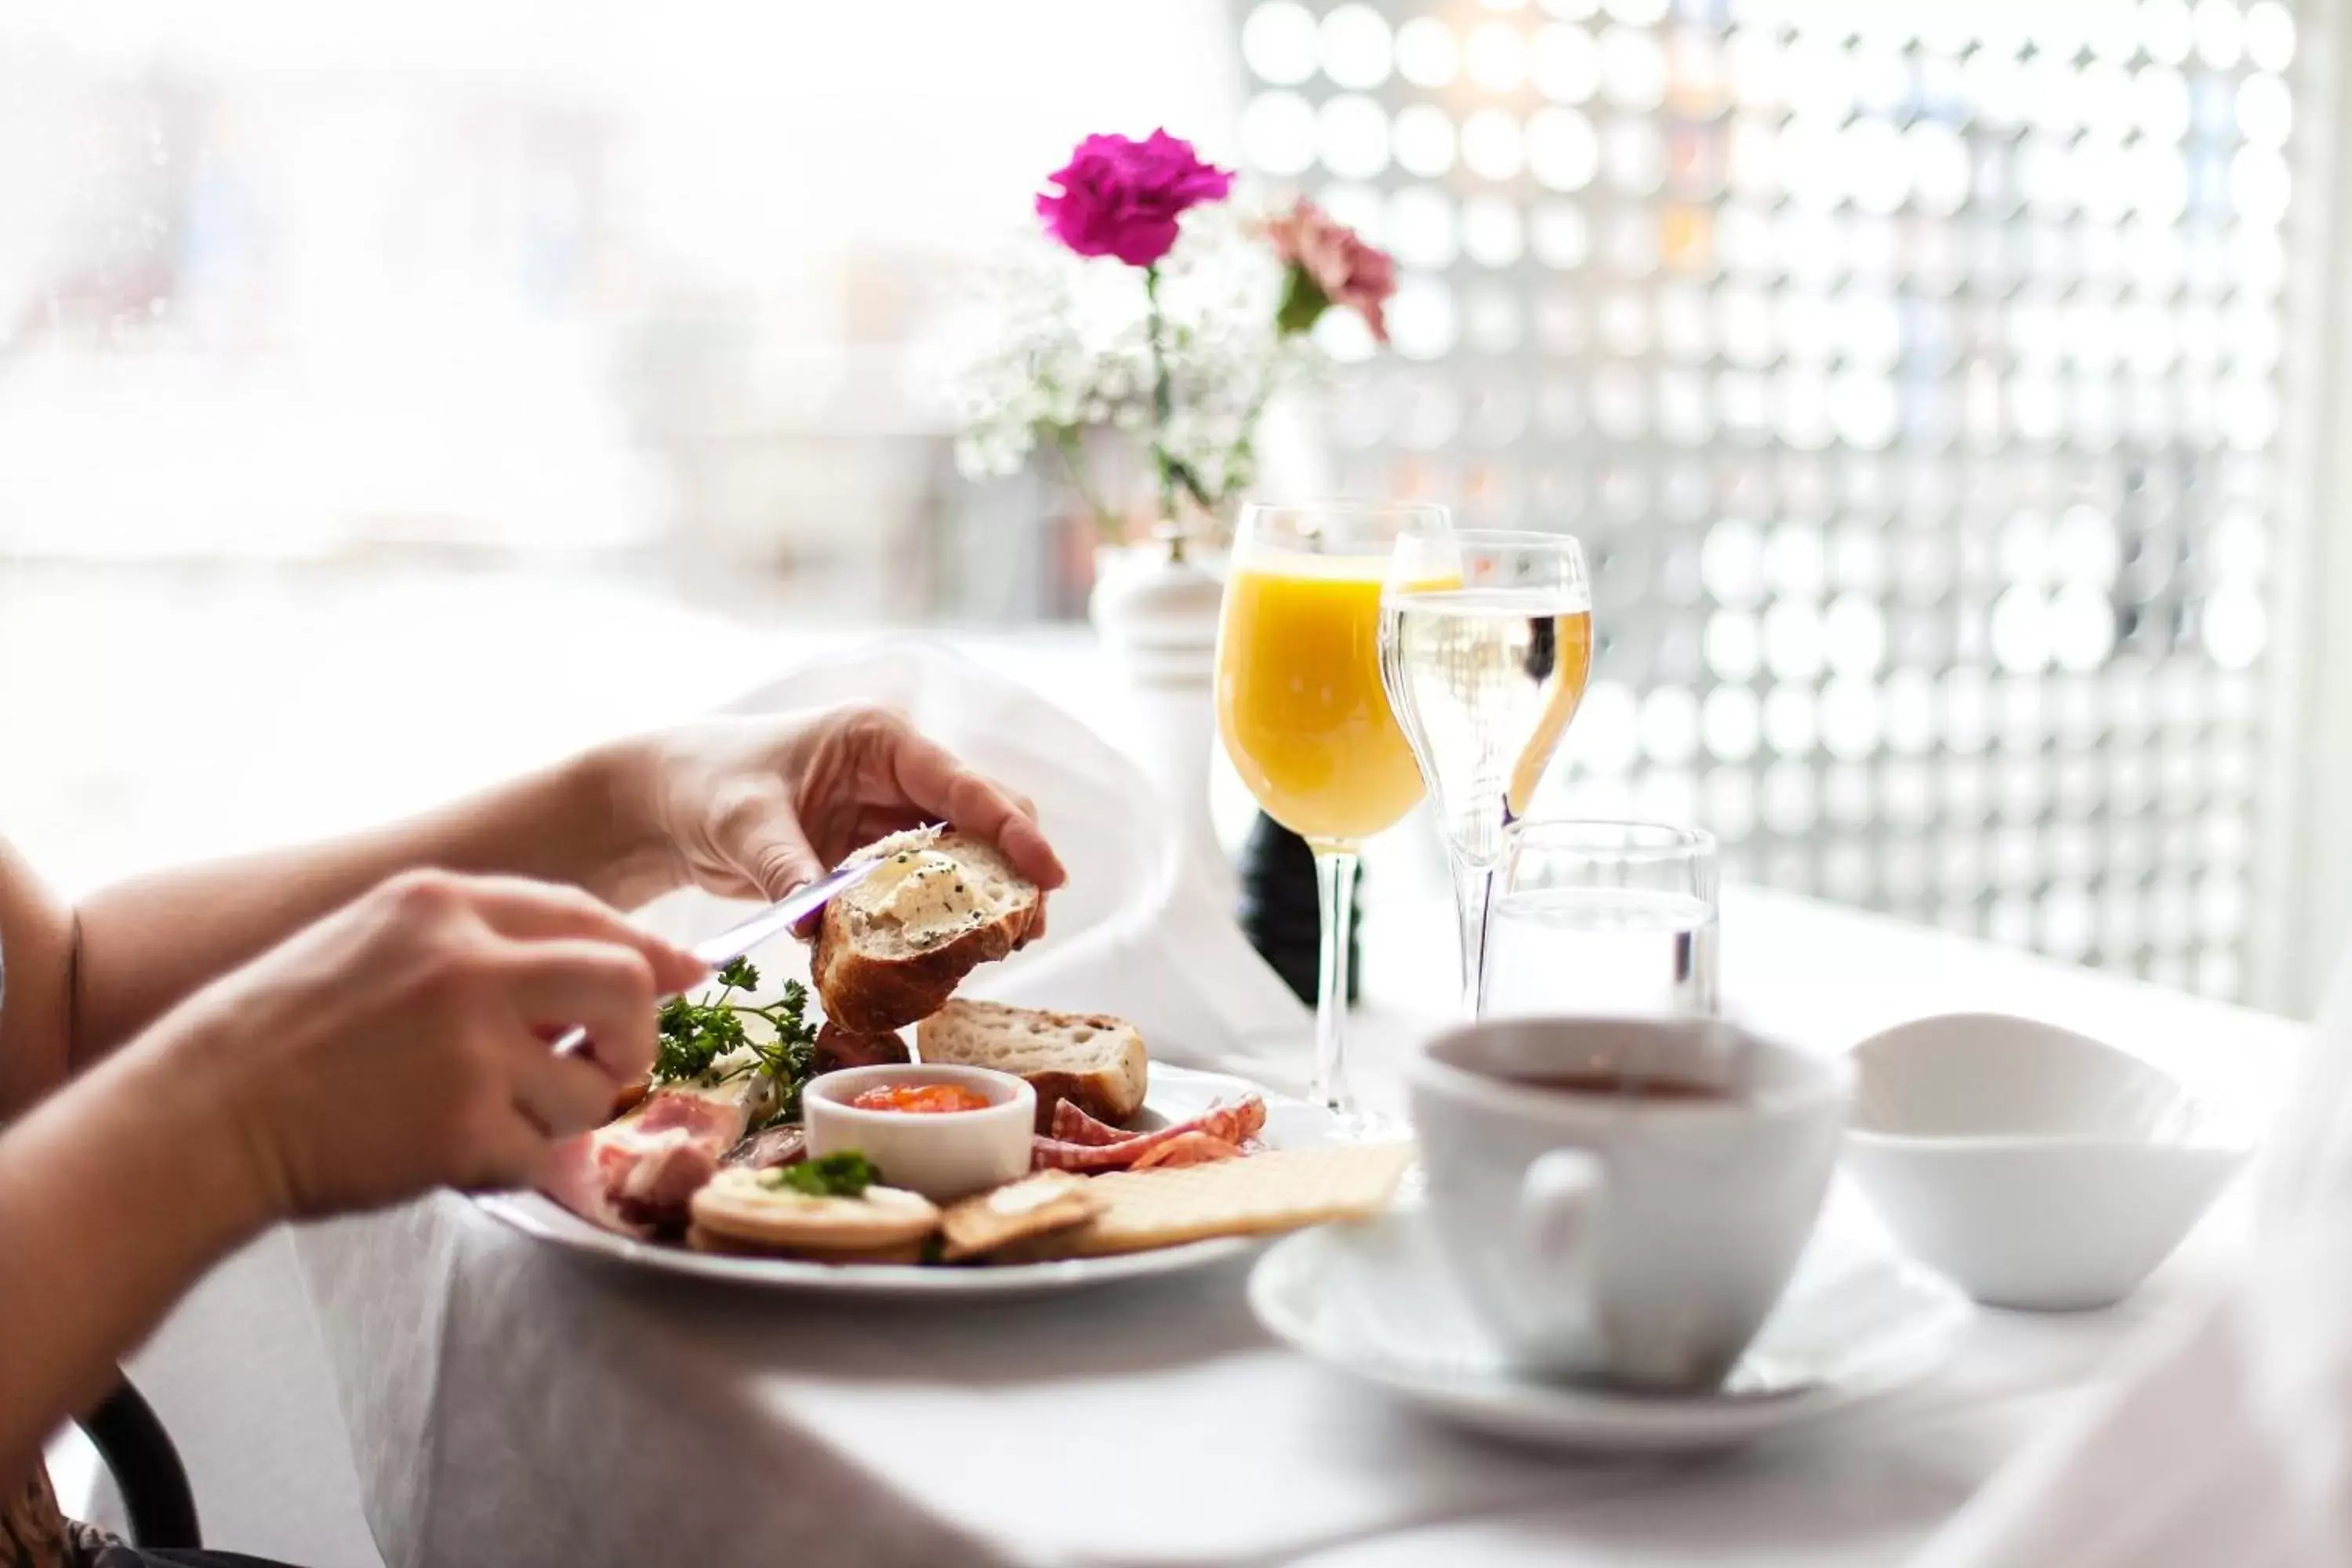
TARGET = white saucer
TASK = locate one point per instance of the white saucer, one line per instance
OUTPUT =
(1374, 1302)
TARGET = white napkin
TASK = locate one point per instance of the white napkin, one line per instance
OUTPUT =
(2227, 1438)
(1138, 932)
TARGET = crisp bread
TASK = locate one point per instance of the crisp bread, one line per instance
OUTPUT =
(1283, 1189)
(1036, 1205)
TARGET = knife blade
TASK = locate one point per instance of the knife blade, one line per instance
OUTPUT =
(780, 916)
(738, 939)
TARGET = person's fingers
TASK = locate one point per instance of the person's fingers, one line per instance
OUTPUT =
(1036, 930)
(762, 838)
(1023, 843)
(1028, 807)
(514, 1152)
(561, 1095)
(875, 821)
(520, 907)
(610, 991)
(930, 775)
(1037, 923)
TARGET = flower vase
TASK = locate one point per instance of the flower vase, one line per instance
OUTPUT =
(1155, 607)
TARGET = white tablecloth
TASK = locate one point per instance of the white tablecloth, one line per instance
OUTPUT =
(508, 1407)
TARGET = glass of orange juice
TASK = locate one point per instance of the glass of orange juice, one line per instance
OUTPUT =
(1303, 712)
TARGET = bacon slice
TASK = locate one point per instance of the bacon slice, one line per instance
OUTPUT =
(1073, 1124)
(651, 1181)
(638, 1175)
(1244, 1119)
(678, 1110)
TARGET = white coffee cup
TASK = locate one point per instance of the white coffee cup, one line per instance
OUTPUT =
(1613, 1232)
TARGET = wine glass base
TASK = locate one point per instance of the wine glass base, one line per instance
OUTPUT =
(1354, 1124)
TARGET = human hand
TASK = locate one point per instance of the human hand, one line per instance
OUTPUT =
(756, 806)
(401, 1043)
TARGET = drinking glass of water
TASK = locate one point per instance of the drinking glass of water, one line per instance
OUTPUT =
(1485, 644)
(1603, 917)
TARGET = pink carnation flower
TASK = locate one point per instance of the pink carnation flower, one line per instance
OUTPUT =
(1334, 259)
(1122, 198)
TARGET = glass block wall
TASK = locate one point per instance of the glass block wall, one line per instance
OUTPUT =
(1914, 391)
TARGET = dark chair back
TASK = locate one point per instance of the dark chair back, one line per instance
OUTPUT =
(146, 1468)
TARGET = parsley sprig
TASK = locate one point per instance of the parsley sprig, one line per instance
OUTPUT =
(694, 1035)
(847, 1174)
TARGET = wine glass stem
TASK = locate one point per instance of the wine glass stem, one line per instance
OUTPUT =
(1474, 897)
(1335, 886)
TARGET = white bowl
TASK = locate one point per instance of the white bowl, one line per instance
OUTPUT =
(943, 1155)
(2035, 1167)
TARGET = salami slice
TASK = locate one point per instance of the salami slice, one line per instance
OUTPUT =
(1226, 1123)
(1073, 1124)
(1192, 1149)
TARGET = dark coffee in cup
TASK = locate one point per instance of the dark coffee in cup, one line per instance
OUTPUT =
(1625, 1086)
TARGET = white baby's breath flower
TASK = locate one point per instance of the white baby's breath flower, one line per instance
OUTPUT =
(1050, 345)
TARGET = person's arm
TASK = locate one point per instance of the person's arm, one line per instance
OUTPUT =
(398, 1045)
(426, 999)
(37, 948)
(143, 945)
(747, 807)
(116, 1194)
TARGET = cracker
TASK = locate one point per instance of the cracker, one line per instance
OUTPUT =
(1283, 1189)
(739, 1206)
(1036, 1205)
(701, 1240)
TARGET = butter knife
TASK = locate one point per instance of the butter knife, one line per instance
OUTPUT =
(738, 939)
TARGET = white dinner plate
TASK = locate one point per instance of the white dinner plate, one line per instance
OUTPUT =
(1374, 1301)
(1176, 1093)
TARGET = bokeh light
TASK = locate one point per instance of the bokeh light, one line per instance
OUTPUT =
(1426, 53)
(1356, 46)
(1278, 43)
(1916, 383)
(1495, 57)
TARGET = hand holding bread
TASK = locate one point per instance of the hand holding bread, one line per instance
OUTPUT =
(754, 806)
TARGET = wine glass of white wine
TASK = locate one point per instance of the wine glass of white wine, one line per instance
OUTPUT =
(1486, 646)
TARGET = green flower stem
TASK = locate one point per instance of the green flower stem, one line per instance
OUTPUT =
(1068, 442)
(1303, 303)
(1163, 400)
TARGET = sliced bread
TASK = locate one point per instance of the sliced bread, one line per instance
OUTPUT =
(893, 948)
(1095, 1061)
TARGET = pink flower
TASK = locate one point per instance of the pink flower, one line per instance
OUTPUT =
(1330, 265)
(1122, 198)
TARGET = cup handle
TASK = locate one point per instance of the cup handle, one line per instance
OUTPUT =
(1556, 1199)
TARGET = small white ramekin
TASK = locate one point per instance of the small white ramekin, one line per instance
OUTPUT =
(943, 1155)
